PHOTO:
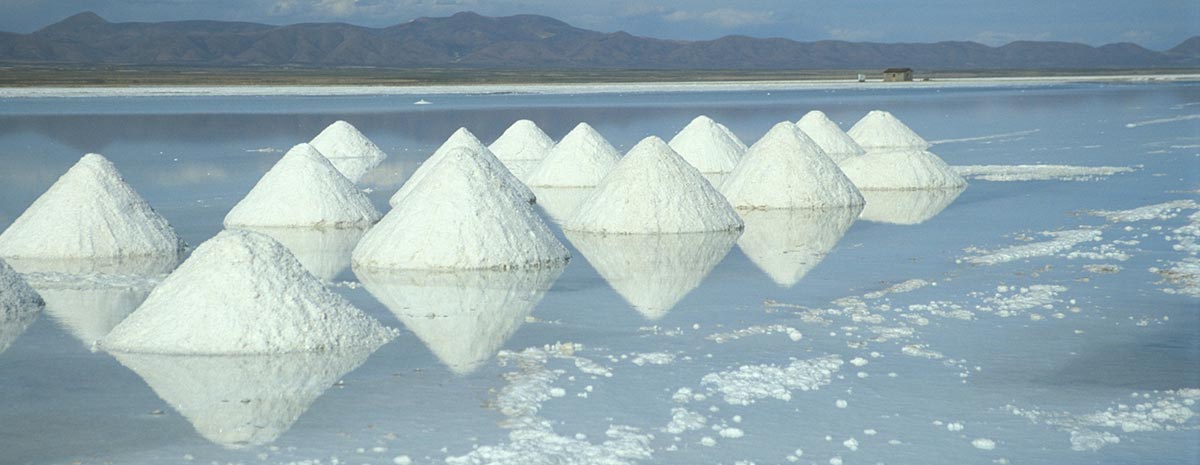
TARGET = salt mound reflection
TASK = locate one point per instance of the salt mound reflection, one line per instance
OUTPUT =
(907, 207)
(241, 401)
(787, 244)
(464, 317)
(653, 272)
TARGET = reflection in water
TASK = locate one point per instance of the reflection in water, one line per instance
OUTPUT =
(907, 207)
(14, 322)
(464, 317)
(248, 400)
(324, 252)
(560, 202)
(65, 269)
(787, 244)
(653, 272)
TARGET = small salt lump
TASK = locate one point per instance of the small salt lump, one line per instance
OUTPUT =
(831, 138)
(348, 150)
(708, 145)
(303, 190)
(581, 159)
(89, 213)
(654, 190)
(462, 138)
(242, 292)
(786, 169)
(462, 215)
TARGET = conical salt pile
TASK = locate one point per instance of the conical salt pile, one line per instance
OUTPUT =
(462, 215)
(581, 159)
(89, 213)
(462, 138)
(879, 130)
(464, 317)
(654, 190)
(522, 141)
(348, 150)
(708, 145)
(653, 272)
(243, 400)
(242, 292)
(303, 190)
(19, 305)
(786, 169)
(906, 169)
(787, 244)
(832, 139)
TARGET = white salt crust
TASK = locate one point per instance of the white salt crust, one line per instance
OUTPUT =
(524, 140)
(90, 213)
(879, 130)
(708, 145)
(581, 159)
(908, 169)
(242, 292)
(463, 139)
(654, 190)
(303, 190)
(462, 215)
(348, 150)
(831, 138)
(785, 169)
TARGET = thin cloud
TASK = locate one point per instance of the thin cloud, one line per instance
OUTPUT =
(723, 17)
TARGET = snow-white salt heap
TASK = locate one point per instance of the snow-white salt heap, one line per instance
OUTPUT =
(461, 215)
(465, 316)
(89, 213)
(244, 400)
(786, 169)
(348, 150)
(462, 138)
(708, 145)
(654, 190)
(653, 272)
(19, 305)
(523, 141)
(896, 158)
(831, 138)
(787, 244)
(242, 292)
(581, 159)
(303, 190)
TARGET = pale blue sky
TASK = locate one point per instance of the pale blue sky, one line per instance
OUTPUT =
(1156, 24)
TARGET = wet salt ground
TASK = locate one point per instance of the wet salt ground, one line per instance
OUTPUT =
(1025, 383)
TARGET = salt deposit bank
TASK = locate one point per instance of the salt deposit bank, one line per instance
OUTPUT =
(1045, 313)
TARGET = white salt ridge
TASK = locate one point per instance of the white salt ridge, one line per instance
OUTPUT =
(1061, 241)
(1158, 211)
(481, 155)
(751, 383)
(303, 190)
(756, 330)
(464, 317)
(654, 190)
(247, 400)
(1037, 296)
(89, 213)
(785, 169)
(463, 215)
(787, 244)
(881, 131)
(907, 207)
(898, 288)
(832, 139)
(19, 305)
(708, 145)
(242, 292)
(581, 159)
(1167, 411)
(653, 272)
(901, 169)
(1008, 173)
(524, 140)
(348, 150)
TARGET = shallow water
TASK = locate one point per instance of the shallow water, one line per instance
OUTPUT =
(699, 306)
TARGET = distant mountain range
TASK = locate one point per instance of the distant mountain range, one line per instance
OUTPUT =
(527, 41)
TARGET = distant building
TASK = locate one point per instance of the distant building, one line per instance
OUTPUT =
(897, 74)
